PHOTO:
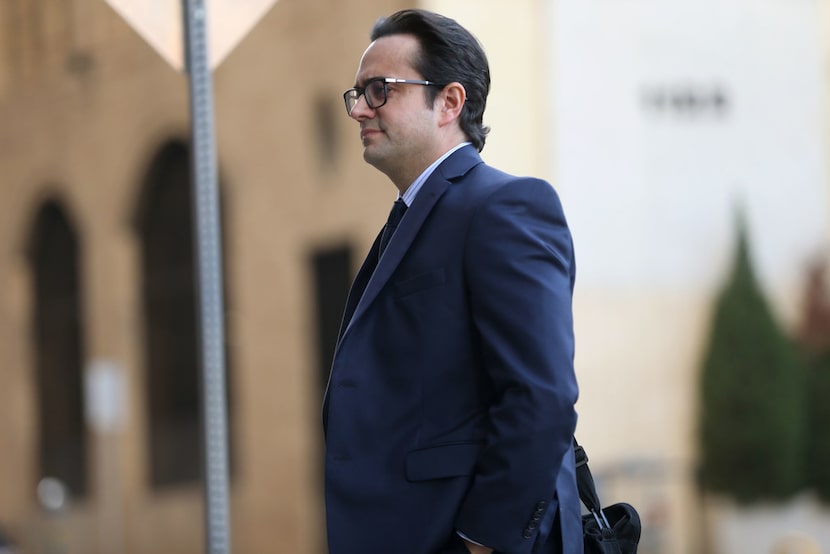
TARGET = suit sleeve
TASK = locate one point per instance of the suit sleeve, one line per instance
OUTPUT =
(520, 269)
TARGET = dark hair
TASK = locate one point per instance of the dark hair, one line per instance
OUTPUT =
(449, 53)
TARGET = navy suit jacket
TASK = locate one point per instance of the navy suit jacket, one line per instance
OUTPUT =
(450, 405)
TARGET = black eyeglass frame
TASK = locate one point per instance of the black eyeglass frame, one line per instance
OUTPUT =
(352, 95)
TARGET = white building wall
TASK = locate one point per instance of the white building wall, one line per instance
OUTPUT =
(669, 117)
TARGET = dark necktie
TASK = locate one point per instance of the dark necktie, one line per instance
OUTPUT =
(395, 216)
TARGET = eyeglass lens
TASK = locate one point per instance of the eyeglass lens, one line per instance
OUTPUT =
(375, 94)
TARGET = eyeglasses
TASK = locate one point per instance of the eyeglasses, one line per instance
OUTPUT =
(376, 91)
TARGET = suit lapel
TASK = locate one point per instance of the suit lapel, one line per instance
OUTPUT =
(359, 285)
(454, 167)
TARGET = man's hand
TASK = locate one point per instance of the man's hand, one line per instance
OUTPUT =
(477, 548)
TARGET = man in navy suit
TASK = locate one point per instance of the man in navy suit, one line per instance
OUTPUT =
(449, 413)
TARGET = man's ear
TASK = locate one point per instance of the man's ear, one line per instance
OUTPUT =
(450, 102)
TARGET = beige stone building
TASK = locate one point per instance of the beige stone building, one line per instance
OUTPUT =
(96, 271)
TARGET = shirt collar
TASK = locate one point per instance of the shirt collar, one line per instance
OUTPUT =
(412, 191)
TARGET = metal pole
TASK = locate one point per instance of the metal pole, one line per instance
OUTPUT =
(209, 255)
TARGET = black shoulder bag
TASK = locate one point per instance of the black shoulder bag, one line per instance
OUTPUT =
(614, 529)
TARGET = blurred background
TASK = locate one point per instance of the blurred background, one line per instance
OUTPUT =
(688, 141)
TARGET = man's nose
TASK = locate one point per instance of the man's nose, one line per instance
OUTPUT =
(361, 109)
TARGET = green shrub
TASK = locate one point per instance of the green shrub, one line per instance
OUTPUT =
(752, 411)
(817, 439)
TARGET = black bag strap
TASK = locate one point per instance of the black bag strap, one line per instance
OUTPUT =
(587, 489)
